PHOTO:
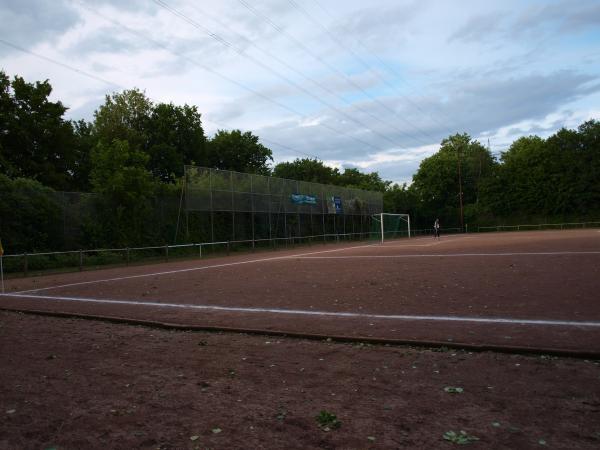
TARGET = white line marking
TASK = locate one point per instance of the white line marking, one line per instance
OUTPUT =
(214, 266)
(497, 320)
(453, 255)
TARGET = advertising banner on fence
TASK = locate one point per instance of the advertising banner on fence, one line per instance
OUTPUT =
(334, 205)
(301, 199)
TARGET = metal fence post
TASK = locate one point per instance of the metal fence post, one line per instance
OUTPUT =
(80, 260)
(127, 256)
(167, 252)
(200, 250)
(25, 264)
(228, 248)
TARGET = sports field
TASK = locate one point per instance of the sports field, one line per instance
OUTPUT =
(533, 291)
(503, 334)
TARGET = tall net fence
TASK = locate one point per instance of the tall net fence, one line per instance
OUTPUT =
(233, 206)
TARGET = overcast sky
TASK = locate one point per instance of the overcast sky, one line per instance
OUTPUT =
(375, 85)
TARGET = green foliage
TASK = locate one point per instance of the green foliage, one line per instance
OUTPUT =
(315, 171)
(556, 177)
(126, 187)
(35, 141)
(237, 151)
(124, 116)
(327, 421)
(368, 181)
(306, 169)
(437, 183)
(176, 138)
(83, 143)
(461, 438)
(453, 390)
(30, 216)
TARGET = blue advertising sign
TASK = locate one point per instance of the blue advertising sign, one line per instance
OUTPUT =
(337, 202)
(301, 199)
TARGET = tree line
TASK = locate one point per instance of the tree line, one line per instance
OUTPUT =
(132, 154)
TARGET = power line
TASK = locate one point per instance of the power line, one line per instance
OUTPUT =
(308, 78)
(86, 74)
(58, 63)
(219, 74)
(285, 146)
(390, 70)
(227, 44)
(340, 44)
(325, 63)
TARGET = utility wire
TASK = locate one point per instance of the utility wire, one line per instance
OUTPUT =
(393, 72)
(331, 67)
(219, 74)
(341, 45)
(86, 74)
(310, 79)
(58, 63)
(227, 44)
(287, 147)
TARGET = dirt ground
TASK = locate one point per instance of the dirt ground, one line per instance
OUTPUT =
(549, 275)
(84, 384)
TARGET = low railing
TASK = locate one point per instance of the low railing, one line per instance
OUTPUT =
(541, 226)
(27, 263)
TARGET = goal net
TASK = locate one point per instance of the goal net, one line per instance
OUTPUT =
(390, 226)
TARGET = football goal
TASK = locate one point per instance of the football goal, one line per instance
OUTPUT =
(391, 226)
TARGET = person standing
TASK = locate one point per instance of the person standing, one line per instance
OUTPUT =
(436, 229)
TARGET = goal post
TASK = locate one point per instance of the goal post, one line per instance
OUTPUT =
(391, 226)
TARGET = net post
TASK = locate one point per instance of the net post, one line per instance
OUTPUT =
(382, 231)
(2, 271)
(408, 217)
(127, 255)
(80, 260)
(167, 252)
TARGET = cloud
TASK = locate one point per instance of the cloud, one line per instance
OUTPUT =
(537, 22)
(29, 22)
(497, 103)
(478, 28)
(379, 24)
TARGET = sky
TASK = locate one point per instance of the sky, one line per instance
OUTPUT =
(373, 85)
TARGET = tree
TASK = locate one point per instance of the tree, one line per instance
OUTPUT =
(84, 142)
(237, 151)
(120, 175)
(30, 216)
(35, 140)
(307, 169)
(176, 138)
(460, 166)
(368, 181)
(124, 116)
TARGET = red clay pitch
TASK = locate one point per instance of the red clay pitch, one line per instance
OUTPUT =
(532, 290)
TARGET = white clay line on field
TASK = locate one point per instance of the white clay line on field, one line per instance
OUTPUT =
(214, 266)
(192, 269)
(491, 320)
(435, 242)
(454, 255)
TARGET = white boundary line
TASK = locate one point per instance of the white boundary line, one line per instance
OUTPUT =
(192, 269)
(214, 266)
(454, 255)
(493, 320)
